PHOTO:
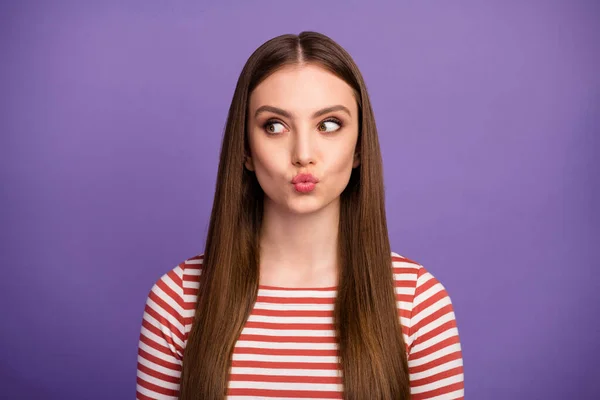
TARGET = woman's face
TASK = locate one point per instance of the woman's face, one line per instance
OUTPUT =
(302, 120)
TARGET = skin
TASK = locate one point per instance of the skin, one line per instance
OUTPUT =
(290, 131)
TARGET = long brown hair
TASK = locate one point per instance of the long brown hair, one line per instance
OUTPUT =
(371, 347)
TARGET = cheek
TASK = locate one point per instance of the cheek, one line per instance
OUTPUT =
(268, 162)
(269, 168)
(342, 158)
(340, 167)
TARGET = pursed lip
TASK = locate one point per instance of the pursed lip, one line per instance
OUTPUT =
(304, 178)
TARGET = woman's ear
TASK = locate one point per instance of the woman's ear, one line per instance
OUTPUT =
(356, 161)
(248, 163)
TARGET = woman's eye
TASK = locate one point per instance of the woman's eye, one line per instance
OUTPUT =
(329, 126)
(274, 127)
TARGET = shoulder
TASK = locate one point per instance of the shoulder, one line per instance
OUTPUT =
(184, 276)
(172, 300)
(177, 289)
(422, 299)
(410, 273)
(166, 323)
(405, 266)
(418, 291)
(406, 273)
(430, 332)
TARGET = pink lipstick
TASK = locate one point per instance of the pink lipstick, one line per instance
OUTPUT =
(304, 183)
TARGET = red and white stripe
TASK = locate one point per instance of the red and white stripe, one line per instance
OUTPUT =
(287, 349)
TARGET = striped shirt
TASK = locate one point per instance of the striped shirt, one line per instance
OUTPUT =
(287, 348)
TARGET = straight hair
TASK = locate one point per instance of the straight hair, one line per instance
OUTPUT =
(371, 347)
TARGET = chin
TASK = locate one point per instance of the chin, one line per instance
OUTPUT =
(304, 209)
(307, 205)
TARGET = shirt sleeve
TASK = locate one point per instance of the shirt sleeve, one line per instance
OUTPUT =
(435, 358)
(161, 342)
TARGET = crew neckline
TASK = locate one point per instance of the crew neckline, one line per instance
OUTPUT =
(285, 288)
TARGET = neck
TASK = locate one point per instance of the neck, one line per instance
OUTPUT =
(299, 250)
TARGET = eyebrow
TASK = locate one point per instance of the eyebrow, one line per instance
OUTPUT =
(288, 114)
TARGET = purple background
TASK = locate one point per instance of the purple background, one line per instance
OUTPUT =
(111, 119)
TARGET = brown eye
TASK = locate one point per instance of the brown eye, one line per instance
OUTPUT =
(329, 126)
(274, 128)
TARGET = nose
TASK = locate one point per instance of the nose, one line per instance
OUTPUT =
(303, 152)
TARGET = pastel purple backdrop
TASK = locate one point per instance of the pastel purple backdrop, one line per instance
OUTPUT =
(112, 114)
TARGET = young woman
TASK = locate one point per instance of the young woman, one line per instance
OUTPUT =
(297, 294)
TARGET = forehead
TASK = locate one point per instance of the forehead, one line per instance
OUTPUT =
(303, 88)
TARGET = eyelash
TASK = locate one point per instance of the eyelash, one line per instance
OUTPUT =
(330, 119)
